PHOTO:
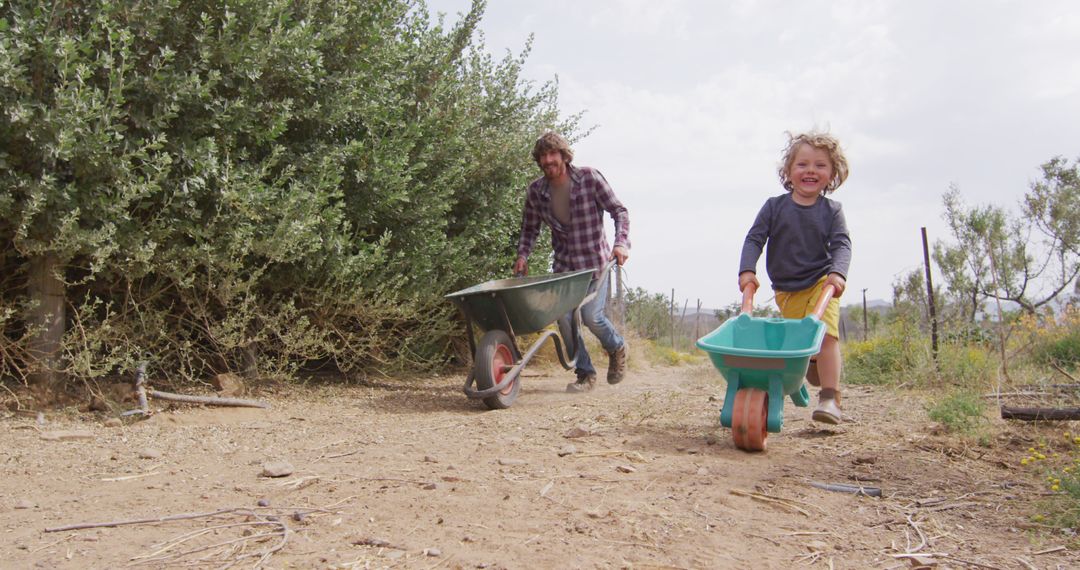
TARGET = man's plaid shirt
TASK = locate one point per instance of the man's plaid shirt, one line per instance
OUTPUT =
(583, 243)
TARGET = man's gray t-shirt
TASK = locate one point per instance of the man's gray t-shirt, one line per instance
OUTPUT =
(805, 243)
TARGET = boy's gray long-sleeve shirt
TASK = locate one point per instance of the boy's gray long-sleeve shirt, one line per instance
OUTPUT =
(804, 243)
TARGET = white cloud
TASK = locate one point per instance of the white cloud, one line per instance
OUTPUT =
(692, 100)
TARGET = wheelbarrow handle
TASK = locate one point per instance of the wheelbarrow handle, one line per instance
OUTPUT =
(748, 298)
(827, 293)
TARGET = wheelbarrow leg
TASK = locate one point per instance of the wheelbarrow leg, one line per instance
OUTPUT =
(801, 397)
(776, 404)
(729, 399)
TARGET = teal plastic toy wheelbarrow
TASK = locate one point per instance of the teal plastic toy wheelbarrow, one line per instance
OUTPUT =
(763, 360)
(503, 309)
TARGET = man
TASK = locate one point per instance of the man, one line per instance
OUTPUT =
(572, 200)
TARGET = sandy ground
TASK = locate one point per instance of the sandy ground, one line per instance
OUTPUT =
(408, 473)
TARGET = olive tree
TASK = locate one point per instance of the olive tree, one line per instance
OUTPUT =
(251, 186)
(1030, 259)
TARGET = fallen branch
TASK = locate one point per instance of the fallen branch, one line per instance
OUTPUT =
(1037, 414)
(952, 506)
(140, 393)
(208, 400)
(144, 408)
(1009, 394)
(177, 541)
(843, 488)
(922, 537)
(227, 548)
(376, 542)
(283, 531)
(130, 477)
(168, 518)
(1026, 564)
(767, 499)
(971, 562)
(1062, 371)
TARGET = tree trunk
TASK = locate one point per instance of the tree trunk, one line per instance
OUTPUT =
(45, 319)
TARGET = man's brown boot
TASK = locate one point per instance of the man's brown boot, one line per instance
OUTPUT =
(584, 384)
(616, 369)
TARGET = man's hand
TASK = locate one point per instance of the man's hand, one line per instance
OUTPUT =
(837, 281)
(748, 278)
(521, 267)
(620, 254)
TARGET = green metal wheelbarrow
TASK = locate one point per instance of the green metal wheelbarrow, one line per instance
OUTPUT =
(763, 360)
(503, 309)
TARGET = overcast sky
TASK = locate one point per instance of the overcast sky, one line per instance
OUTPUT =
(691, 100)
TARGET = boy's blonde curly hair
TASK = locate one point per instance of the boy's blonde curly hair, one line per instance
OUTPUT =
(818, 140)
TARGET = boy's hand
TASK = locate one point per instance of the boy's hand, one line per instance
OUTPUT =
(838, 282)
(746, 278)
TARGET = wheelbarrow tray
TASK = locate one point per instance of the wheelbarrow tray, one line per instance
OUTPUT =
(530, 303)
(770, 354)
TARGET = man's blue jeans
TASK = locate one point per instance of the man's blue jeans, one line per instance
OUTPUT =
(593, 317)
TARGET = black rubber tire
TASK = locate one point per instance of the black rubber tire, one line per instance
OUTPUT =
(492, 354)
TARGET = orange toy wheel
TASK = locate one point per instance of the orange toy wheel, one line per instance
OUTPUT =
(748, 419)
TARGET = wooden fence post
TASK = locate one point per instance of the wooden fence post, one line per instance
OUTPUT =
(930, 298)
(672, 319)
(864, 327)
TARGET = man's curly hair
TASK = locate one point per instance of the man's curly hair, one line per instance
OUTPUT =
(552, 141)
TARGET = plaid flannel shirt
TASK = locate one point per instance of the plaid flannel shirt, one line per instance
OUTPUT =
(583, 243)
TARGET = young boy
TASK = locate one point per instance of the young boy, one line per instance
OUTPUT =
(807, 248)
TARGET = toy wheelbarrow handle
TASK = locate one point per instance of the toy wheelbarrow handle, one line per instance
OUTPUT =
(827, 293)
(748, 299)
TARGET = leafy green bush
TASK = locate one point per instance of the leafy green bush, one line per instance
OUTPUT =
(964, 365)
(1059, 465)
(647, 314)
(960, 412)
(253, 185)
(1063, 351)
(881, 360)
(667, 356)
(969, 335)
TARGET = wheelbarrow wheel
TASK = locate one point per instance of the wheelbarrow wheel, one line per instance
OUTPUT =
(493, 360)
(748, 419)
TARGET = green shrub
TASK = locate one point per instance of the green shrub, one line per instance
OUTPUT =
(960, 412)
(254, 185)
(968, 335)
(1059, 465)
(667, 356)
(878, 361)
(1063, 351)
(964, 365)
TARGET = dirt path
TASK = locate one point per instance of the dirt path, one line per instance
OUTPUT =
(412, 475)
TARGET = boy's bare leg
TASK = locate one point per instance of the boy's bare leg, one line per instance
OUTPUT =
(828, 363)
(828, 368)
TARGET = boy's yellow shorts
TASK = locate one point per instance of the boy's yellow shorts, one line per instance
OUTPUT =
(798, 304)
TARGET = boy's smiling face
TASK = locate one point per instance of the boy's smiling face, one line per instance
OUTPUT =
(810, 172)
